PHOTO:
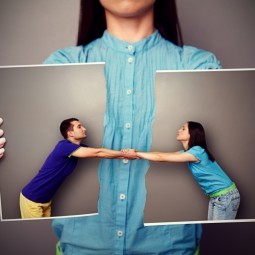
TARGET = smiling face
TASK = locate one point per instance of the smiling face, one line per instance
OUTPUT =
(183, 133)
(127, 8)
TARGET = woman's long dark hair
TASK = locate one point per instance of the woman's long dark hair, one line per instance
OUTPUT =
(197, 137)
(92, 21)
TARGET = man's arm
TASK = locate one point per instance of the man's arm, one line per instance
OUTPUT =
(87, 152)
(167, 156)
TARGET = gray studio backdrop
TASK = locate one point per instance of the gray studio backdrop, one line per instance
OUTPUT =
(223, 101)
(33, 102)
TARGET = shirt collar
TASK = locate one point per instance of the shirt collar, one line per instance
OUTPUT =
(138, 46)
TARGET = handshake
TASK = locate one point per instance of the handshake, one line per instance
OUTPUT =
(130, 154)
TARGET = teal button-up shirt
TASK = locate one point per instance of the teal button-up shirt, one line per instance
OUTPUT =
(129, 72)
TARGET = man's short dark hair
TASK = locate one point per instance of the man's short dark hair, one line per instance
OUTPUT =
(66, 126)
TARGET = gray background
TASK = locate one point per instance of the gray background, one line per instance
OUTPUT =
(31, 29)
(33, 102)
(223, 101)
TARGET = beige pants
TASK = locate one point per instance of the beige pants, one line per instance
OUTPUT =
(30, 209)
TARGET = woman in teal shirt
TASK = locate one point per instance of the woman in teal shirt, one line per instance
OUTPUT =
(132, 49)
(224, 196)
(134, 39)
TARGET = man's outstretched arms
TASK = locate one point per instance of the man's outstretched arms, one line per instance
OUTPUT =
(86, 152)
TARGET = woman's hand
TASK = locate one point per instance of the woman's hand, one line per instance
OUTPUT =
(2, 140)
(129, 153)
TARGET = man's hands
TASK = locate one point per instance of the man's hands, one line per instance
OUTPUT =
(129, 153)
(2, 140)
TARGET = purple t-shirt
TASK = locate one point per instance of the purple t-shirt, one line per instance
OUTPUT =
(55, 169)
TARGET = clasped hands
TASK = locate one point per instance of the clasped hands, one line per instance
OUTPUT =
(130, 154)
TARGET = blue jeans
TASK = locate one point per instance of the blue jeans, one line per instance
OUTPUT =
(224, 207)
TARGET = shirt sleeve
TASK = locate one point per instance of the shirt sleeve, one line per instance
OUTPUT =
(66, 148)
(196, 151)
(194, 58)
(65, 56)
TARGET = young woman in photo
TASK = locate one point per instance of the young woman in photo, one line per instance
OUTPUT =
(224, 196)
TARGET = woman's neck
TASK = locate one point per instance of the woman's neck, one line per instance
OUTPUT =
(185, 145)
(130, 29)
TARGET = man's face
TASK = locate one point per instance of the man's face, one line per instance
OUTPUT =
(78, 132)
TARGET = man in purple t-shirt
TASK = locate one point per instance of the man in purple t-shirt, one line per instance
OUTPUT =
(36, 196)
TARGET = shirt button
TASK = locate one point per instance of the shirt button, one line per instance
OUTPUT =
(122, 196)
(130, 60)
(120, 233)
(129, 91)
(128, 125)
(125, 161)
(130, 47)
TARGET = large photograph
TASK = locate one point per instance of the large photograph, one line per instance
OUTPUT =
(39, 176)
(208, 116)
